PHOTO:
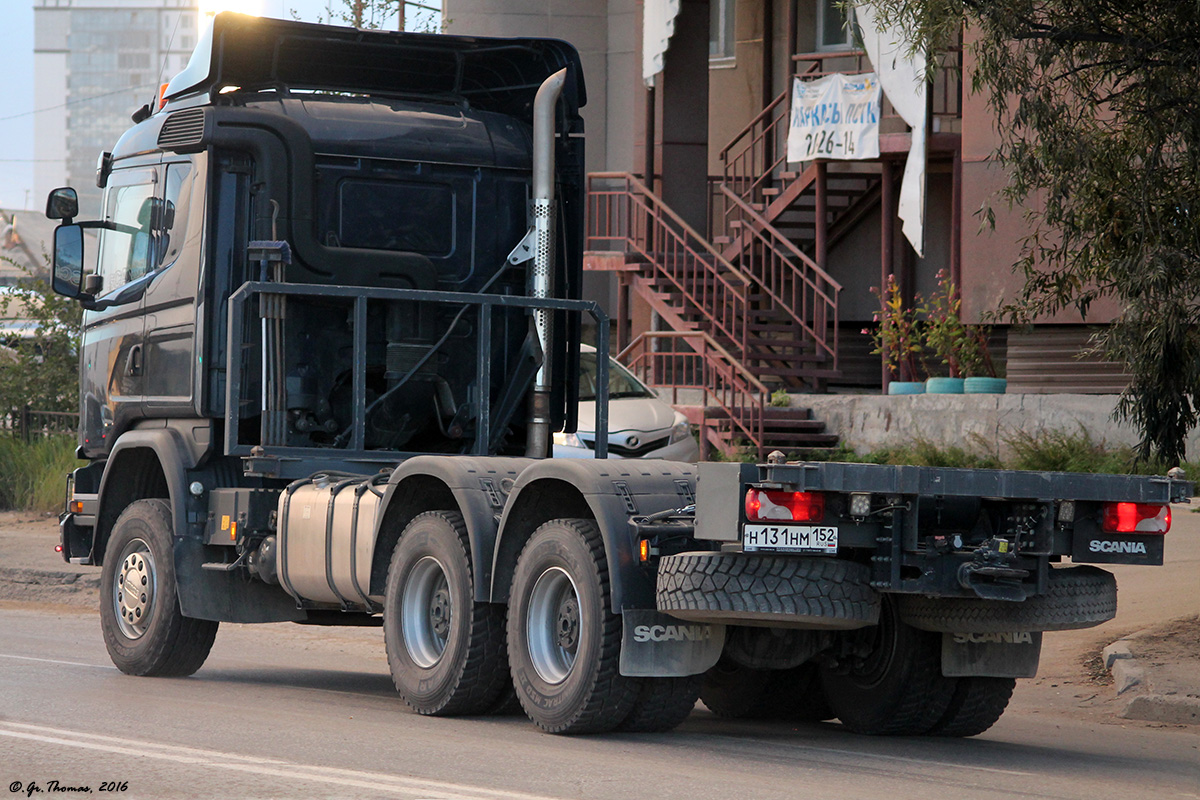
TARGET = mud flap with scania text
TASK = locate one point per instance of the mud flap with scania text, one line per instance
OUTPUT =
(994, 655)
(655, 645)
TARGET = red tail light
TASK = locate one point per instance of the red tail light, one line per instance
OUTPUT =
(1136, 518)
(762, 504)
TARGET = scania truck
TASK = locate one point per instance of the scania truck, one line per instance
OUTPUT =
(332, 322)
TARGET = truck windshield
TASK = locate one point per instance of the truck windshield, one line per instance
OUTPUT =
(621, 382)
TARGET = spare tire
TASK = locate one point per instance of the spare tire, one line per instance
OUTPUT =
(1077, 597)
(775, 590)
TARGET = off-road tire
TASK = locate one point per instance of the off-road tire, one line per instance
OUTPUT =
(1077, 597)
(898, 689)
(169, 644)
(662, 704)
(587, 694)
(977, 703)
(790, 590)
(464, 670)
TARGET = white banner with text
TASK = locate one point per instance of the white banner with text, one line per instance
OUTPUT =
(836, 117)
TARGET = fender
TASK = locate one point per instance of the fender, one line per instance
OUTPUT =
(203, 594)
(611, 492)
(174, 458)
(477, 486)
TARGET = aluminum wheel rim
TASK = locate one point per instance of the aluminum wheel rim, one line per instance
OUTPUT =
(133, 589)
(553, 625)
(426, 611)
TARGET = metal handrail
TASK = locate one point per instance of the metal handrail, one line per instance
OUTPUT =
(724, 379)
(632, 216)
(795, 283)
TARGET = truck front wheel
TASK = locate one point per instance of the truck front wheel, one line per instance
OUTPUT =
(564, 642)
(144, 631)
(445, 651)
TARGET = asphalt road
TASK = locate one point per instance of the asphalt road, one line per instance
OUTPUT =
(293, 711)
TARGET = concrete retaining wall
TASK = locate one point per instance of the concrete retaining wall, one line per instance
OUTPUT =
(983, 421)
(976, 421)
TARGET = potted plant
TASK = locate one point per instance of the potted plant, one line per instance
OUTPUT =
(897, 338)
(961, 347)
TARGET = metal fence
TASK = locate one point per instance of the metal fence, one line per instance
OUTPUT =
(28, 423)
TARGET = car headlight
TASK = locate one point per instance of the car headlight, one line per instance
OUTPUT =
(681, 430)
(568, 440)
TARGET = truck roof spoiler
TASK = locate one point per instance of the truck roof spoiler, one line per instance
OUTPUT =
(500, 75)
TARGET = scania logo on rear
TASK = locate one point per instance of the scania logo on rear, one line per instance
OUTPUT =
(1101, 546)
(1017, 637)
(672, 633)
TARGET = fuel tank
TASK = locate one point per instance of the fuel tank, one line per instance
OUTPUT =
(326, 538)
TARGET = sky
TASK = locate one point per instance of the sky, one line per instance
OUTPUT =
(18, 104)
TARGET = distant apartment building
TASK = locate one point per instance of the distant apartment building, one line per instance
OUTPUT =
(95, 63)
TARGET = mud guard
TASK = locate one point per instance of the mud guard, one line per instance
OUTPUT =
(611, 491)
(993, 655)
(654, 645)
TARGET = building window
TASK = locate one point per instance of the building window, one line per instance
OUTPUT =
(721, 44)
(835, 25)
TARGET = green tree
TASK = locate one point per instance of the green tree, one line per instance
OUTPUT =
(40, 370)
(1098, 112)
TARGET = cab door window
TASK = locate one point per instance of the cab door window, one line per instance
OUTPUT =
(127, 250)
(172, 229)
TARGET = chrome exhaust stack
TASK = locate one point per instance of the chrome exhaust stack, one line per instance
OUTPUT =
(541, 239)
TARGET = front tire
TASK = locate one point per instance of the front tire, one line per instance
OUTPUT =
(564, 642)
(144, 631)
(445, 651)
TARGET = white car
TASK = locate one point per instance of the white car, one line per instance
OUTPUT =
(639, 424)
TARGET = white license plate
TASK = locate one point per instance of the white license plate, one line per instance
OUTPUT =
(791, 538)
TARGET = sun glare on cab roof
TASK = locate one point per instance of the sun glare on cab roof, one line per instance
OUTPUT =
(210, 8)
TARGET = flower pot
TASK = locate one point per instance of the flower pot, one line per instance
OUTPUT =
(985, 386)
(906, 387)
(944, 386)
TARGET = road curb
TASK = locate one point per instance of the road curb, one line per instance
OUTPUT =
(37, 585)
(1130, 674)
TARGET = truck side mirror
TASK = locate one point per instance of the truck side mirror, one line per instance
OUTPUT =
(68, 259)
(62, 204)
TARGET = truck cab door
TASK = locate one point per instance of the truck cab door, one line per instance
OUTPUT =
(170, 301)
(113, 375)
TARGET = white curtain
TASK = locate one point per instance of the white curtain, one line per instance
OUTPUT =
(903, 78)
(658, 25)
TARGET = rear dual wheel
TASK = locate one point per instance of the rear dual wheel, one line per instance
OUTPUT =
(445, 651)
(898, 688)
(564, 642)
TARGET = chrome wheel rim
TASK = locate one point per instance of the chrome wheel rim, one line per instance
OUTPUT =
(426, 611)
(133, 592)
(553, 625)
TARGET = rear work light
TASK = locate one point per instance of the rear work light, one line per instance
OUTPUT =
(763, 504)
(1136, 518)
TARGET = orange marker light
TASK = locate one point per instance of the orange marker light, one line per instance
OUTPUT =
(162, 95)
(76, 506)
(644, 550)
(233, 531)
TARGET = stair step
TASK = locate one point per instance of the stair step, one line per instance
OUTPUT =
(770, 191)
(770, 413)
